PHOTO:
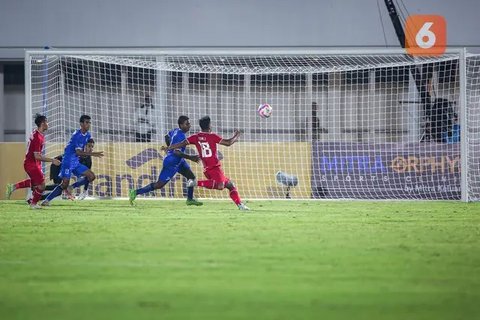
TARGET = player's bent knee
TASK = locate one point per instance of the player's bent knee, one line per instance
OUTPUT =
(220, 186)
(189, 175)
(91, 176)
(230, 185)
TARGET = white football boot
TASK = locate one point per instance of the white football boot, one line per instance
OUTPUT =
(243, 207)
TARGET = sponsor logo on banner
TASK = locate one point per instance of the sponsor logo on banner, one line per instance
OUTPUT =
(420, 170)
(139, 169)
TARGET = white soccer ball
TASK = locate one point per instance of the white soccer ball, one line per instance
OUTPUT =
(265, 110)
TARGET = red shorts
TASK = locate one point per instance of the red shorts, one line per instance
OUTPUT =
(216, 174)
(35, 173)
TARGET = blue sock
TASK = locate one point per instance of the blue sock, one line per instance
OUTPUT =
(190, 193)
(146, 189)
(55, 193)
(79, 183)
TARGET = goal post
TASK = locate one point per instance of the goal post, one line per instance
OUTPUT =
(471, 120)
(348, 124)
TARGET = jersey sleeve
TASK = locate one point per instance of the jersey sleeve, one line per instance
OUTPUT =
(179, 136)
(76, 142)
(84, 143)
(168, 137)
(193, 139)
(168, 140)
(79, 141)
(215, 138)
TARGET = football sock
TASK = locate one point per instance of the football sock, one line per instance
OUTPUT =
(37, 194)
(27, 183)
(190, 193)
(209, 184)
(55, 193)
(79, 183)
(146, 189)
(235, 196)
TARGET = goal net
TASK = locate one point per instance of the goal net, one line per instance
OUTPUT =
(376, 125)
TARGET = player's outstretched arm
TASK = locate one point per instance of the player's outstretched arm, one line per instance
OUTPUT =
(194, 158)
(232, 140)
(178, 145)
(40, 157)
(81, 153)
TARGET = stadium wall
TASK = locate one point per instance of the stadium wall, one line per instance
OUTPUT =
(11, 167)
(214, 23)
(28, 24)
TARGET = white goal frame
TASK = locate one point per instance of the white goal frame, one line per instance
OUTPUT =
(461, 52)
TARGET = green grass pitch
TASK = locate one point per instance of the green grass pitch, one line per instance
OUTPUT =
(282, 260)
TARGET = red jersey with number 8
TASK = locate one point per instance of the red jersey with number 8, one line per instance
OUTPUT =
(35, 144)
(206, 143)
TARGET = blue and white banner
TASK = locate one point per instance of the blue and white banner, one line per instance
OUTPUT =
(381, 171)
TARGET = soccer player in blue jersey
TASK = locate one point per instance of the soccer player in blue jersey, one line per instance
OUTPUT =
(71, 161)
(174, 162)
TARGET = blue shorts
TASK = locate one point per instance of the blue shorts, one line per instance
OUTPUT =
(66, 171)
(170, 169)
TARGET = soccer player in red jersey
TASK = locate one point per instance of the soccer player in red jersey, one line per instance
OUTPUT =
(32, 164)
(206, 143)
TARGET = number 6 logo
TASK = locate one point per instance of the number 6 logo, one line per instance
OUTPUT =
(425, 35)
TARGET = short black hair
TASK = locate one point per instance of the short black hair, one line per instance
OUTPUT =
(182, 119)
(90, 141)
(205, 123)
(39, 119)
(84, 117)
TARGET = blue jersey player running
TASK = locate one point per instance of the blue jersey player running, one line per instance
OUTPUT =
(174, 162)
(71, 161)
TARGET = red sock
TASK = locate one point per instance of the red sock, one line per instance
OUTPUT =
(235, 196)
(37, 195)
(209, 184)
(27, 183)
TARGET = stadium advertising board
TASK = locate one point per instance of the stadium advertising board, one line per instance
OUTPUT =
(380, 171)
(133, 165)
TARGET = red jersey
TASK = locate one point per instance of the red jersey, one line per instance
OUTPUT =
(206, 143)
(36, 143)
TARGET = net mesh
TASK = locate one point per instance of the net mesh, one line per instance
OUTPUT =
(344, 126)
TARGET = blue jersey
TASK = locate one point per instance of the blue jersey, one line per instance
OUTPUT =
(77, 141)
(176, 135)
